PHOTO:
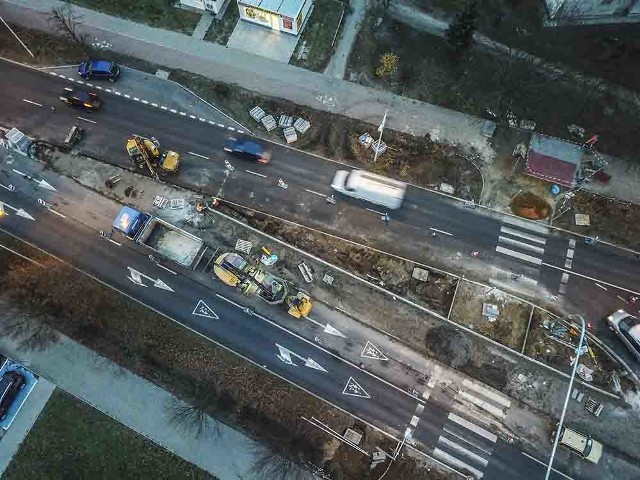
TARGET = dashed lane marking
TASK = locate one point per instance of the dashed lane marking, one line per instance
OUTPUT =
(441, 231)
(31, 102)
(256, 173)
(198, 155)
(87, 120)
(315, 193)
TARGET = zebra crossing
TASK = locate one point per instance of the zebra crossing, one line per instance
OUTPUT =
(466, 441)
(523, 240)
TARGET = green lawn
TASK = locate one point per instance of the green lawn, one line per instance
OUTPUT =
(156, 13)
(72, 440)
(318, 35)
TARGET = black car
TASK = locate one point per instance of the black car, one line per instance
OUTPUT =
(247, 150)
(99, 70)
(10, 384)
(75, 97)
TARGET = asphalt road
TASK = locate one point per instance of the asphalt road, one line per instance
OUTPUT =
(254, 336)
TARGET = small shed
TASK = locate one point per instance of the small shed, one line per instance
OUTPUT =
(287, 16)
(554, 160)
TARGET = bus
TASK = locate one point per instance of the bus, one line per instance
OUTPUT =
(370, 187)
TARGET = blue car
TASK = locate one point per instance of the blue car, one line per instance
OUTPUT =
(99, 70)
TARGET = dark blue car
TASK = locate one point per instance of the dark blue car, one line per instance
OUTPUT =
(99, 70)
(247, 150)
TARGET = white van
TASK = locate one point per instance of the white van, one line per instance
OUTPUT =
(583, 445)
(370, 187)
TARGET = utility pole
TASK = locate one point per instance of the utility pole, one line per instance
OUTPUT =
(566, 400)
(380, 129)
(17, 38)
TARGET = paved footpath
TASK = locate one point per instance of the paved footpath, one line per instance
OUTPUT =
(261, 75)
(130, 399)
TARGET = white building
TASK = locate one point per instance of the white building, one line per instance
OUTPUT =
(287, 16)
(213, 6)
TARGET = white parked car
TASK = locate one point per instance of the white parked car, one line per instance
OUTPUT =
(627, 327)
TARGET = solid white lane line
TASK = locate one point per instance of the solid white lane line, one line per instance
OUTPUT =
(198, 155)
(441, 231)
(478, 402)
(466, 440)
(256, 174)
(517, 243)
(518, 233)
(501, 399)
(87, 120)
(32, 103)
(314, 192)
(587, 277)
(451, 460)
(22, 256)
(460, 449)
(113, 241)
(473, 427)
(521, 256)
(534, 227)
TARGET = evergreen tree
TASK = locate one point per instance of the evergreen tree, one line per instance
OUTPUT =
(460, 32)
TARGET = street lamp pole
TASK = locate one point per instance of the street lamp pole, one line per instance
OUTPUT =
(566, 400)
(380, 129)
(17, 38)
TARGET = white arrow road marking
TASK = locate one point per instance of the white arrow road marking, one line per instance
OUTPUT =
(311, 363)
(204, 310)
(160, 284)
(327, 328)
(371, 351)
(41, 183)
(333, 331)
(19, 211)
(136, 277)
(354, 389)
(285, 355)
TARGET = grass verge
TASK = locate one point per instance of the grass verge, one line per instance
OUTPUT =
(318, 35)
(155, 13)
(73, 440)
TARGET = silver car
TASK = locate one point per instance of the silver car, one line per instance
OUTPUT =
(627, 327)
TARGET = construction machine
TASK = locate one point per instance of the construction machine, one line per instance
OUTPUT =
(299, 305)
(147, 152)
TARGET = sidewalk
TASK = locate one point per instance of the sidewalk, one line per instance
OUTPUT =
(138, 404)
(262, 75)
(352, 21)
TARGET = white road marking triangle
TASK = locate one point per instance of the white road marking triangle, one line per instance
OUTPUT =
(371, 351)
(311, 363)
(333, 331)
(354, 389)
(204, 310)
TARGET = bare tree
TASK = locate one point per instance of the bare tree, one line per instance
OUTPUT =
(67, 23)
(278, 465)
(195, 415)
(30, 331)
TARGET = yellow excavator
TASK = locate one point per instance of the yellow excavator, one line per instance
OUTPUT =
(299, 305)
(146, 152)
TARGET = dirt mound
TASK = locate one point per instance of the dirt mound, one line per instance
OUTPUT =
(531, 206)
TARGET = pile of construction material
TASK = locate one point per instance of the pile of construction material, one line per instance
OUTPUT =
(290, 127)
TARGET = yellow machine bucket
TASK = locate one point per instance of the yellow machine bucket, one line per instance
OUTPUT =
(170, 161)
(299, 305)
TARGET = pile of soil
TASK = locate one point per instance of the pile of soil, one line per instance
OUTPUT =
(531, 206)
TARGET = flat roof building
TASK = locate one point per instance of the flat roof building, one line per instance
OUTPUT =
(287, 16)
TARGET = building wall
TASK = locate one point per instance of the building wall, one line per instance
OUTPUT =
(207, 5)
